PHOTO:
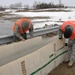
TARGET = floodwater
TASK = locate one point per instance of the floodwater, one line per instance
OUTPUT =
(6, 27)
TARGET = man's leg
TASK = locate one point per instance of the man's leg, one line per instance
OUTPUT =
(72, 54)
(67, 58)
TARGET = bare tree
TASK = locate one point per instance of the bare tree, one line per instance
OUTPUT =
(16, 5)
(26, 7)
(35, 4)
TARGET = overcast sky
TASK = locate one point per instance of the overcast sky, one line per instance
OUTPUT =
(30, 2)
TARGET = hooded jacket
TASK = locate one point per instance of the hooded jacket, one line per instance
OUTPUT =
(19, 23)
(71, 23)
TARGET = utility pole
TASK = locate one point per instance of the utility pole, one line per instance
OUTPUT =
(60, 4)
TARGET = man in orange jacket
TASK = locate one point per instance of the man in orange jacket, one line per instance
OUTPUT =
(68, 29)
(20, 28)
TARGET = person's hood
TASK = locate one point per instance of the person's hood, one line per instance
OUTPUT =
(25, 24)
(68, 32)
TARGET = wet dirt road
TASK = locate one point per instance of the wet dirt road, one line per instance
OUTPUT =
(63, 69)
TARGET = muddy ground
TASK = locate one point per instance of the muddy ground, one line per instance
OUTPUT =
(63, 69)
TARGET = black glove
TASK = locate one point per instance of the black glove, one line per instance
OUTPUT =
(60, 38)
(66, 44)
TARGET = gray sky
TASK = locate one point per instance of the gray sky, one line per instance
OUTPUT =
(30, 2)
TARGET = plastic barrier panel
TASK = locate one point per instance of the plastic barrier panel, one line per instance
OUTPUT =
(46, 55)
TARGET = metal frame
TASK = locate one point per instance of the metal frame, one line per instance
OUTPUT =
(10, 38)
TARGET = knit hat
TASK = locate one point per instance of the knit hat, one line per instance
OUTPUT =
(25, 24)
(68, 31)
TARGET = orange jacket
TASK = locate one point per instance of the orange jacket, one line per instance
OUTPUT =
(19, 24)
(71, 23)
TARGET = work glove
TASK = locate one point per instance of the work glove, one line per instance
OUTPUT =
(60, 38)
(66, 44)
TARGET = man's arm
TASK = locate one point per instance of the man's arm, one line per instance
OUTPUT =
(16, 32)
(60, 33)
(31, 31)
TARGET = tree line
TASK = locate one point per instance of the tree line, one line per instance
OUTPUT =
(36, 5)
(47, 5)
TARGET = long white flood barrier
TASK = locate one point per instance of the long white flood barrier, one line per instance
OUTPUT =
(35, 56)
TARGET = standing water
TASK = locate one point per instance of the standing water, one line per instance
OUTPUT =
(6, 27)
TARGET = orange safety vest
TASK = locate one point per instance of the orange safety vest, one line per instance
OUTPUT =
(19, 24)
(71, 23)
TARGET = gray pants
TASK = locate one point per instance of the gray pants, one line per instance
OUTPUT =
(71, 50)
